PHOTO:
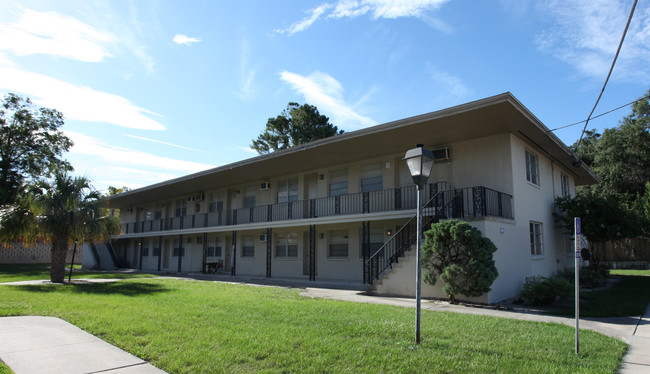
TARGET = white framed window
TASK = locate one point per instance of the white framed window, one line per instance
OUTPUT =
(287, 190)
(181, 208)
(337, 246)
(249, 197)
(338, 182)
(145, 252)
(564, 182)
(371, 177)
(536, 239)
(532, 168)
(248, 246)
(286, 245)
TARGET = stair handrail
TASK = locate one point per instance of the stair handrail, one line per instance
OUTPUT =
(373, 272)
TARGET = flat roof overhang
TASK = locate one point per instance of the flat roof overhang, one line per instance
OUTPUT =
(491, 116)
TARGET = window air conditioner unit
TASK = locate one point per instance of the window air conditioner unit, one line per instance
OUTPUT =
(441, 154)
(265, 186)
(199, 197)
(262, 237)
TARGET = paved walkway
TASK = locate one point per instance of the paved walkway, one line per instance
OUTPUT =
(51, 345)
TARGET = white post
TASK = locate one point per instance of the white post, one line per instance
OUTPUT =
(576, 227)
(418, 270)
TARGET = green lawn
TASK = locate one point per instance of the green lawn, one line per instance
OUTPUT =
(205, 327)
(629, 272)
(628, 297)
(23, 272)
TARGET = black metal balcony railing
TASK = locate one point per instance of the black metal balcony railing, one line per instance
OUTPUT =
(395, 199)
(457, 203)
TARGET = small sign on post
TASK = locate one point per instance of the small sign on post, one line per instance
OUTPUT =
(578, 234)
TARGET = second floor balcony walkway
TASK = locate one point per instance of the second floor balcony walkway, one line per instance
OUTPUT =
(467, 202)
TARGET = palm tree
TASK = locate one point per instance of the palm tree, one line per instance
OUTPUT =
(59, 210)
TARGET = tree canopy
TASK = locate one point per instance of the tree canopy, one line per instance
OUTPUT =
(620, 157)
(31, 144)
(297, 124)
(59, 209)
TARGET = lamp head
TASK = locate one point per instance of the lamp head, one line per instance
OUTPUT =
(420, 162)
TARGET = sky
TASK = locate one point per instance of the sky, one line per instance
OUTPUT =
(157, 89)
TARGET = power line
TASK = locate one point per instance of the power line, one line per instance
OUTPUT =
(620, 44)
(601, 114)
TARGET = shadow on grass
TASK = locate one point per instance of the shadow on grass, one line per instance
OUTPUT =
(112, 288)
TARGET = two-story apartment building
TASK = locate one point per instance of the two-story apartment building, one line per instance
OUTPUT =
(339, 208)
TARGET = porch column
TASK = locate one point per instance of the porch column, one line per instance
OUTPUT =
(205, 250)
(269, 251)
(160, 241)
(180, 251)
(140, 247)
(233, 257)
(312, 252)
(365, 248)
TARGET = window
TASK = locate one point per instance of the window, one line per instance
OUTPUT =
(376, 240)
(536, 244)
(145, 252)
(248, 246)
(215, 251)
(338, 244)
(339, 182)
(564, 181)
(286, 245)
(178, 251)
(249, 197)
(156, 252)
(288, 190)
(158, 212)
(181, 208)
(371, 177)
(532, 168)
(215, 206)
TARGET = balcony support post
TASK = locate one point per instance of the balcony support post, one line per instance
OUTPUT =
(312, 252)
(269, 251)
(160, 242)
(180, 250)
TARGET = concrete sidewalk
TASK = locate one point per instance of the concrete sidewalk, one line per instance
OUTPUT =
(51, 345)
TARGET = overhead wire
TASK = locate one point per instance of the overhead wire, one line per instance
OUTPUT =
(620, 44)
(601, 114)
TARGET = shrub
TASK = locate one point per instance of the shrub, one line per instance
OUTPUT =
(589, 277)
(456, 252)
(540, 290)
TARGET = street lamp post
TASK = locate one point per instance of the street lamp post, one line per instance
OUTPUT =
(420, 162)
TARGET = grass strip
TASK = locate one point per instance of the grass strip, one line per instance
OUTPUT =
(628, 297)
(629, 272)
(185, 326)
(25, 272)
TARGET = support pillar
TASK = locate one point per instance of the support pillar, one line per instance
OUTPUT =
(312, 252)
(180, 252)
(365, 248)
(160, 242)
(205, 251)
(269, 251)
(233, 258)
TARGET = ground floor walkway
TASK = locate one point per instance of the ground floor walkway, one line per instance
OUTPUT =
(46, 344)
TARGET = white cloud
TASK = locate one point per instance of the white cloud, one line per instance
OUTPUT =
(246, 72)
(54, 34)
(385, 8)
(161, 142)
(78, 102)
(326, 93)
(184, 39)
(89, 146)
(452, 86)
(586, 34)
(306, 22)
(390, 9)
